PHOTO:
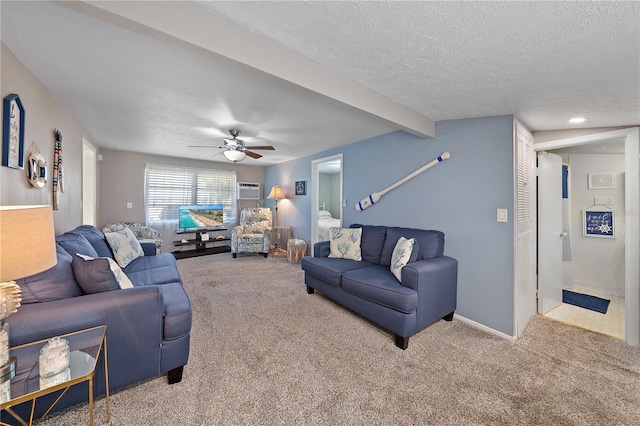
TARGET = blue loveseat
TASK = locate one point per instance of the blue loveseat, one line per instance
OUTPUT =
(148, 326)
(426, 294)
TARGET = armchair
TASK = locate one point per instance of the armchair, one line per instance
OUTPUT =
(253, 234)
(143, 233)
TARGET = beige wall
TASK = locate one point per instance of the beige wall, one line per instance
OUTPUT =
(122, 181)
(42, 115)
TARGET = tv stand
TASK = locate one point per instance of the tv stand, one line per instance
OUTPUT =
(200, 244)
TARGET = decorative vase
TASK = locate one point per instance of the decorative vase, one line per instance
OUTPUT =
(54, 357)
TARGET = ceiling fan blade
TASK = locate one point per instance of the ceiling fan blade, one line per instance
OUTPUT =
(269, 147)
(253, 154)
(216, 154)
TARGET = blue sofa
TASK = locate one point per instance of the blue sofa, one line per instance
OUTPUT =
(426, 294)
(148, 326)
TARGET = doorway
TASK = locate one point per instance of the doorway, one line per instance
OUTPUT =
(631, 140)
(89, 183)
(326, 184)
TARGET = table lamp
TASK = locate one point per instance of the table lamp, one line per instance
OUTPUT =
(27, 247)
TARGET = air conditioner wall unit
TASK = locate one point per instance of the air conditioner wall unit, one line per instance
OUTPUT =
(248, 191)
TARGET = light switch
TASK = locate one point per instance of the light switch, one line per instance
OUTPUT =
(129, 205)
(502, 215)
(603, 201)
(344, 202)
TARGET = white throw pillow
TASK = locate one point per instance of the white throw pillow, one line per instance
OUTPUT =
(401, 255)
(344, 243)
(124, 245)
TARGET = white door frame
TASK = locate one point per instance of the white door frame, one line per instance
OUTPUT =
(315, 188)
(631, 137)
(89, 183)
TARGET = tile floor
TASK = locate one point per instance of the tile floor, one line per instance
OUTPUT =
(611, 323)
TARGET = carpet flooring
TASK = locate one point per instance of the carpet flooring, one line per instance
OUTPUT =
(263, 351)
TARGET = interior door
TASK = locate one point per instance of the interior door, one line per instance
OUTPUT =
(549, 231)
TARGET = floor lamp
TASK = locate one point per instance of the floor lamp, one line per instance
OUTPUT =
(277, 194)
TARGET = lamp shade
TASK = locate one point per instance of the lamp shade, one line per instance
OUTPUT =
(27, 241)
(235, 156)
(276, 192)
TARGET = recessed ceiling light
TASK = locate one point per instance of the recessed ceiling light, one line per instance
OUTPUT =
(578, 120)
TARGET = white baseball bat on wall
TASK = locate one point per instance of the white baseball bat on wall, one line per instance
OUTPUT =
(375, 197)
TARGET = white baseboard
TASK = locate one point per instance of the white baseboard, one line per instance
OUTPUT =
(485, 328)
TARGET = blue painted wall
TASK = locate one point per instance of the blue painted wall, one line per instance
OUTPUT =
(459, 197)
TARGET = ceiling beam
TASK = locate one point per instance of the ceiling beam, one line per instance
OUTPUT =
(189, 26)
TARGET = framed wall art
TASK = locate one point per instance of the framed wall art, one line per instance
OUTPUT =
(301, 187)
(598, 223)
(13, 133)
(606, 180)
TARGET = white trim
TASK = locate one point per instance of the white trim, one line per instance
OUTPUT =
(485, 328)
(583, 140)
(314, 188)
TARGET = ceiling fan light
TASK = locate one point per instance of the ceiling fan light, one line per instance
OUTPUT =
(235, 156)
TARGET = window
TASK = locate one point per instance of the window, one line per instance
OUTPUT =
(167, 187)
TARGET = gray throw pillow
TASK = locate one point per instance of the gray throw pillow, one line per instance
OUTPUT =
(98, 275)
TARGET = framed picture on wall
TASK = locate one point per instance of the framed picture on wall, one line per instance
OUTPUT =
(606, 180)
(13, 132)
(301, 187)
(598, 223)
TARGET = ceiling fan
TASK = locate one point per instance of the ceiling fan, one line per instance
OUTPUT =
(235, 150)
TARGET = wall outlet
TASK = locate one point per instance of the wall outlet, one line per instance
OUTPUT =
(129, 205)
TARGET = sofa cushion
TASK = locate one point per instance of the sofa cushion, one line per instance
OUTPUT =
(344, 243)
(405, 251)
(373, 237)
(53, 284)
(76, 243)
(377, 284)
(95, 238)
(99, 274)
(125, 246)
(430, 243)
(330, 269)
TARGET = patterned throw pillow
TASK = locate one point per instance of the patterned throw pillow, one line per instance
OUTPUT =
(125, 246)
(401, 255)
(98, 275)
(344, 243)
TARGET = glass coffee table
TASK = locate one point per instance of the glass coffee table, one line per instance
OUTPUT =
(27, 385)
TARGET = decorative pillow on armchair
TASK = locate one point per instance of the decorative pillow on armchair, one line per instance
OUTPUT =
(125, 246)
(406, 251)
(344, 243)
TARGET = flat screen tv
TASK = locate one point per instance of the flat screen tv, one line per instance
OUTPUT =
(200, 216)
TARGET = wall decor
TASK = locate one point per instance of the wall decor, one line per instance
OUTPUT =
(374, 197)
(13, 132)
(58, 176)
(605, 180)
(301, 187)
(598, 223)
(36, 167)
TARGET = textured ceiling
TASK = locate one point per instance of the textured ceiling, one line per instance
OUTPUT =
(544, 62)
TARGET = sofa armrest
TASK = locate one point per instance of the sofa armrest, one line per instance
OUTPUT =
(322, 249)
(436, 281)
(149, 248)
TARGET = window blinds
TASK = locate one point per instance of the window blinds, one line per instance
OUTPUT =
(167, 187)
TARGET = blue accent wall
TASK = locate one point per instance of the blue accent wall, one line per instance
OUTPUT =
(458, 196)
